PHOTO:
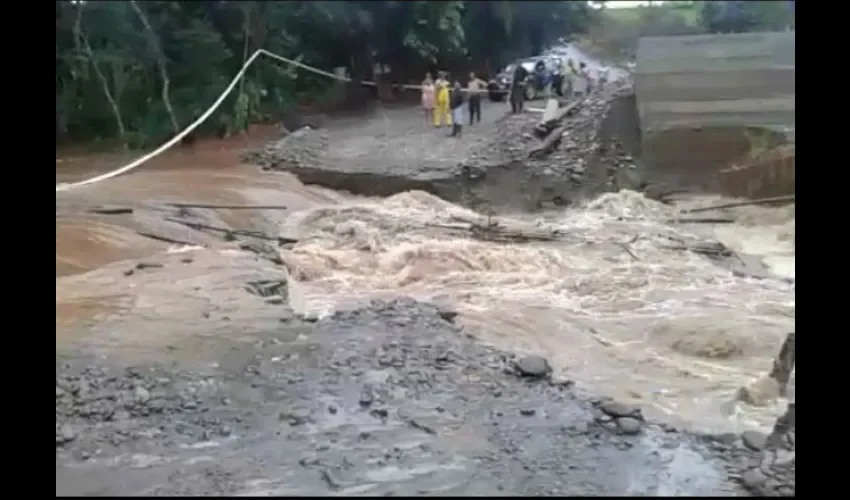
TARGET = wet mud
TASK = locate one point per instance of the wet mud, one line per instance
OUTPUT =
(392, 399)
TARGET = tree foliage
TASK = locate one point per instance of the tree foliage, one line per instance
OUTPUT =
(739, 17)
(617, 30)
(139, 71)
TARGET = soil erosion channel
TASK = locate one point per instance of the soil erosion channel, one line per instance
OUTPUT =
(393, 396)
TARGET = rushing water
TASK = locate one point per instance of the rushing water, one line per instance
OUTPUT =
(662, 327)
(609, 305)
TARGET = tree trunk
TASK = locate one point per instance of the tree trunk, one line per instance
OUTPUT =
(81, 37)
(246, 34)
(246, 17)
(160, 62)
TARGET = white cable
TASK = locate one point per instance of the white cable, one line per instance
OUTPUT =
(174, 140)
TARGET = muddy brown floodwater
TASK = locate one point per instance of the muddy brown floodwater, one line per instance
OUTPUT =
(371, 394)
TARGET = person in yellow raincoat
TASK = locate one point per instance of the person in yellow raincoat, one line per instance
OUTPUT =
(441, 108)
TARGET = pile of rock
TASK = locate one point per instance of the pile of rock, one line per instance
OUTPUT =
(96, 408)
(594, 153)
(305, 147)
(593, 150)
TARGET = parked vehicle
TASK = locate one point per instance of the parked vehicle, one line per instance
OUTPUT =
(541, 70)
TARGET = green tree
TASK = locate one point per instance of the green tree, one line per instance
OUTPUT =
(138, 72)
(740, 16)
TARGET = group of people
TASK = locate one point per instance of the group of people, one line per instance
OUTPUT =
(568, 81)
(443, 102)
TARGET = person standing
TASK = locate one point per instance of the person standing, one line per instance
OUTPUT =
(557, 72)
(429, 91)
(457, 109)
(603, 77)
(567, 73)
(441, 110)
(518, 82)
(475, 88)
(580, 82)
(588, 77)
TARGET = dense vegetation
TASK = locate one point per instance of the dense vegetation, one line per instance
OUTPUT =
(138, 72)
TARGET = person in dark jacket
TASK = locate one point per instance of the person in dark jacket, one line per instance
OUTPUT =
(456, 102)
(518, 88)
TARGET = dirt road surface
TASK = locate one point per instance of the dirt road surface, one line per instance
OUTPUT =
(196, 369)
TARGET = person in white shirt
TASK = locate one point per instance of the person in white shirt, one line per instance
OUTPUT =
(474, 89)
(581, 81)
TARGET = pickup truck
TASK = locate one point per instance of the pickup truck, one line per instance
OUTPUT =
(499, 86)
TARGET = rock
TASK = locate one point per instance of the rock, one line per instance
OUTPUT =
(726, 438)
(759, 392)
(380, 413)
(367, 396)
(148, 265)
(120, 415)
(618, 410)
(754, 440)
(447, 314)
(533, 366)
(561, 381)
(81, 389)
(295, 417)
(629, 425)
(628, 179)
(141, 395)
(578, 429)
(753, 478)
(65, 434)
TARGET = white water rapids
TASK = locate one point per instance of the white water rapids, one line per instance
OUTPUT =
(610, 305)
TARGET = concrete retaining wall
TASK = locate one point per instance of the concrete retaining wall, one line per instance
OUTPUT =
(696, 94)
(716, 80)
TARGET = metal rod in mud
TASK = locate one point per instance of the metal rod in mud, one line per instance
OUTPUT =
(760, 201)
(228, 207)
(165, 239)
(227, 231)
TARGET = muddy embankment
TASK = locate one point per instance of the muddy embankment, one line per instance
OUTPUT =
(392, 399)
(497, 164)
(602, 149)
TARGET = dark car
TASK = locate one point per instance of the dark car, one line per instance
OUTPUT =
(541, 69)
